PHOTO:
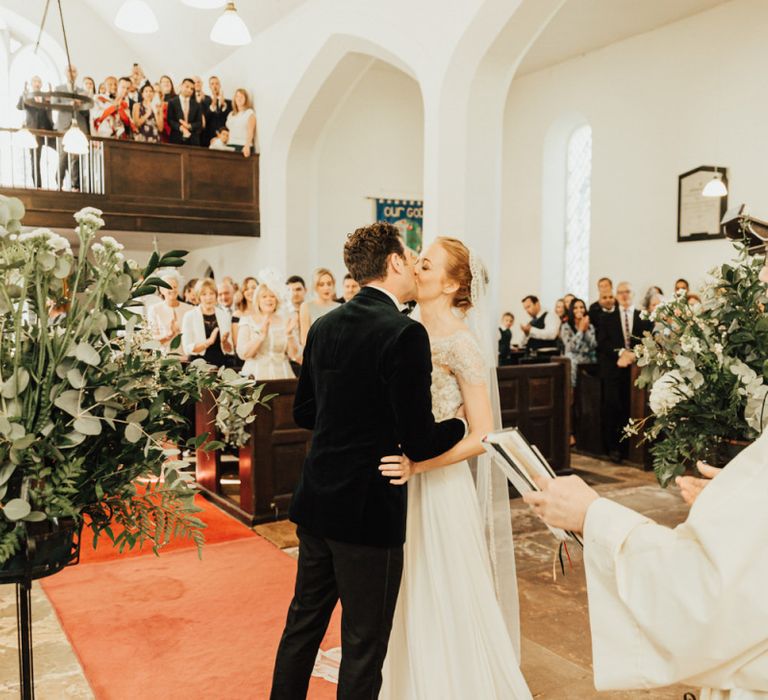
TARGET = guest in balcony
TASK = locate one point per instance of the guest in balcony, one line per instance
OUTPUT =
(205, 102)
(221, 141)
(112, 117)
(168, 92)
(190, 292)
(137, 80)
(89, 85)
(64, 120)
(244, 305)
(185, 116)
(148, 116)
(310, 311)
(265, 339)
(206, 329)
(218, 110)
(165, 319)
(241, 123)
(36, 118)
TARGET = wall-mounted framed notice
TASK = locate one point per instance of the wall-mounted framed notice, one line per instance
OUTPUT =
(698, 217)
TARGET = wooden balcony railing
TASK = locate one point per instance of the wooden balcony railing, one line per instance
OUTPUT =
(139, 186)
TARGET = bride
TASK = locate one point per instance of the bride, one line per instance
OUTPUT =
(455, 633)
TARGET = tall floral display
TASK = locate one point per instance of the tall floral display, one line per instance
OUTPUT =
(91, 411)
(706, 366)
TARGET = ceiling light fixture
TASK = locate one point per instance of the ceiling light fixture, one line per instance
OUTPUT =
(715, 187)
(23, 138)
(230, 30)
(205, 4)
(136, 16)
(75, 141)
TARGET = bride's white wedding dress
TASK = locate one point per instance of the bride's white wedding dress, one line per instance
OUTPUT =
(449, 639)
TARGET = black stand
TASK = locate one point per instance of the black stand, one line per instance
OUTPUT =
(24, 628)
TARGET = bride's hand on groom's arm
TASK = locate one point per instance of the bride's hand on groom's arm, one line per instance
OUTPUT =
(397, 468)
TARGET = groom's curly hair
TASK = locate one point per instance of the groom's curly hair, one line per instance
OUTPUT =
(367, 249)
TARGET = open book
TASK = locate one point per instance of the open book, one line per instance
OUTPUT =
(520, 461)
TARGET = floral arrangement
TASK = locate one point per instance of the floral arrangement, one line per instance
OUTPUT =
(91, 411)
(706, 368)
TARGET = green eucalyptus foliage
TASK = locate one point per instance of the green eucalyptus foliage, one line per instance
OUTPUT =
(89, 405)
(707, 369)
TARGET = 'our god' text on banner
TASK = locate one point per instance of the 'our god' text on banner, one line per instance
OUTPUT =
(407, 215)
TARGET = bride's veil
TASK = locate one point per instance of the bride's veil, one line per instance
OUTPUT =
(492, 489)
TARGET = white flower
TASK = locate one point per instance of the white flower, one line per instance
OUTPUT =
(756, 410)
(667, 391)
(90, 217)
(690, 344)
(110, 242)
(97, 248)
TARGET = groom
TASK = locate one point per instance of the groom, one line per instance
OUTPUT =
(365, 392)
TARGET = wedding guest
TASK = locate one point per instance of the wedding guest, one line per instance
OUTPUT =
(218, 109)
(112, 117)
(148, 116)
(221, 141)
(185, 116)
(654, 302)
(693, 299)
(64, 119)
(265, 339)
(165, 319)
(310, 311)
(578, 337)
(681, 285)
(297, 292)
(36, 118)
(205, 102)
(604, 290)
(245, 305)
(652, 293)
(349, 287)
(561, 310)
(567, 300)
(241, 123)
(542, 331)
(505, 339)
(168, 91)
(89, 85)
(617, 333)
(206, 329)
(225, 295)
(190, 292)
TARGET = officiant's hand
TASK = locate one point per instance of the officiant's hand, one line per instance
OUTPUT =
(691, 486)
(562, 502)
(397, 468)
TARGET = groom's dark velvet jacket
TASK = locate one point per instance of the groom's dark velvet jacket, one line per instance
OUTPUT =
(364, 390)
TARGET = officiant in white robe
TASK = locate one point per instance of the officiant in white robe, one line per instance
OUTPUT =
(685, 605)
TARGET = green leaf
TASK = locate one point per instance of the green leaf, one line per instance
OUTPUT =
(88, 425)
(244, 410)
(6, 471)
(35, 516)
(176, 342)
(137, 416)
(73, 439)
(172, 262)
(174, 254)
(63, 268)
(85, 352)
(152, 264)
(156, 282)
(104, 393)
(16, 509)
(5, 424)
(213, 445)
(47, 260)
(69, 401)
(142, 291)
(133, 432)
(200, 439)
(75, 378)
(23, 443)
(15, 384)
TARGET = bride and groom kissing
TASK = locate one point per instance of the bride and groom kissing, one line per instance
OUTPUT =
(429, 601)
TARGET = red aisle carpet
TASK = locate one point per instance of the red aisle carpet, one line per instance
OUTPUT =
(176, 627)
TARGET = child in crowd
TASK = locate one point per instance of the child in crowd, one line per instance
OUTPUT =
(220, 141)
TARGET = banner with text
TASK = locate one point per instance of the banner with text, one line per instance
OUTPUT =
(407, 215)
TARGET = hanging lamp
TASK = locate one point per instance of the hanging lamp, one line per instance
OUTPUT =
(230, 30)
(137, 17)
(715, 187)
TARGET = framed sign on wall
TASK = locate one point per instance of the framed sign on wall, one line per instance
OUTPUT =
(698, 217)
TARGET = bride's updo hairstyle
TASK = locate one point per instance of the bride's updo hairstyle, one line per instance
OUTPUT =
(458, 270)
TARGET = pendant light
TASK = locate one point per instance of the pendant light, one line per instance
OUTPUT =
(205, 4)
(23, 138)
(136, 16)
(715, 187)
(230, 30)
(75, 141)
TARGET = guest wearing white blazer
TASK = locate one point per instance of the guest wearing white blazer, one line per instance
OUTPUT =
(206, 330)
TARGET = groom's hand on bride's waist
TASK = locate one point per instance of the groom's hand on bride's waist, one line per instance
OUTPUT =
(397, 468)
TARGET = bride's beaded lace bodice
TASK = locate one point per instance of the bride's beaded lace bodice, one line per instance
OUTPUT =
(454, 356)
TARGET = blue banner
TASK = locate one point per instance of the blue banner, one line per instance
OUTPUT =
(407, 215)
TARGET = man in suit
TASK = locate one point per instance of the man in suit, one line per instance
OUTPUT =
(36, 118)
(365, 392)
(216, 111)
(543, 330)
(604, 290)
(185, 116)
(617, 332)
(63, 122)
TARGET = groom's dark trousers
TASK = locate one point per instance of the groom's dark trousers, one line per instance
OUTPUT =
(364, 390)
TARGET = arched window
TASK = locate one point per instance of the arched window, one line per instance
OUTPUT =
(578, 209)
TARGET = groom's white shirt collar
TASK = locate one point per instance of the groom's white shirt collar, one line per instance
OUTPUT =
(394, 299)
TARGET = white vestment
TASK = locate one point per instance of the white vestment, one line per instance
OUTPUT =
(685, 605)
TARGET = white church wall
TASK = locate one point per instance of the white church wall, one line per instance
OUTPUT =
(659, 105)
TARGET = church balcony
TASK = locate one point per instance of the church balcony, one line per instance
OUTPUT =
(153, 188)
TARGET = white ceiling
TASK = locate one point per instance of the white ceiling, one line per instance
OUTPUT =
(582, 26)
(182, 45)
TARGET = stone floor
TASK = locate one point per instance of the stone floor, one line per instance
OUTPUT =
(555, 626)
